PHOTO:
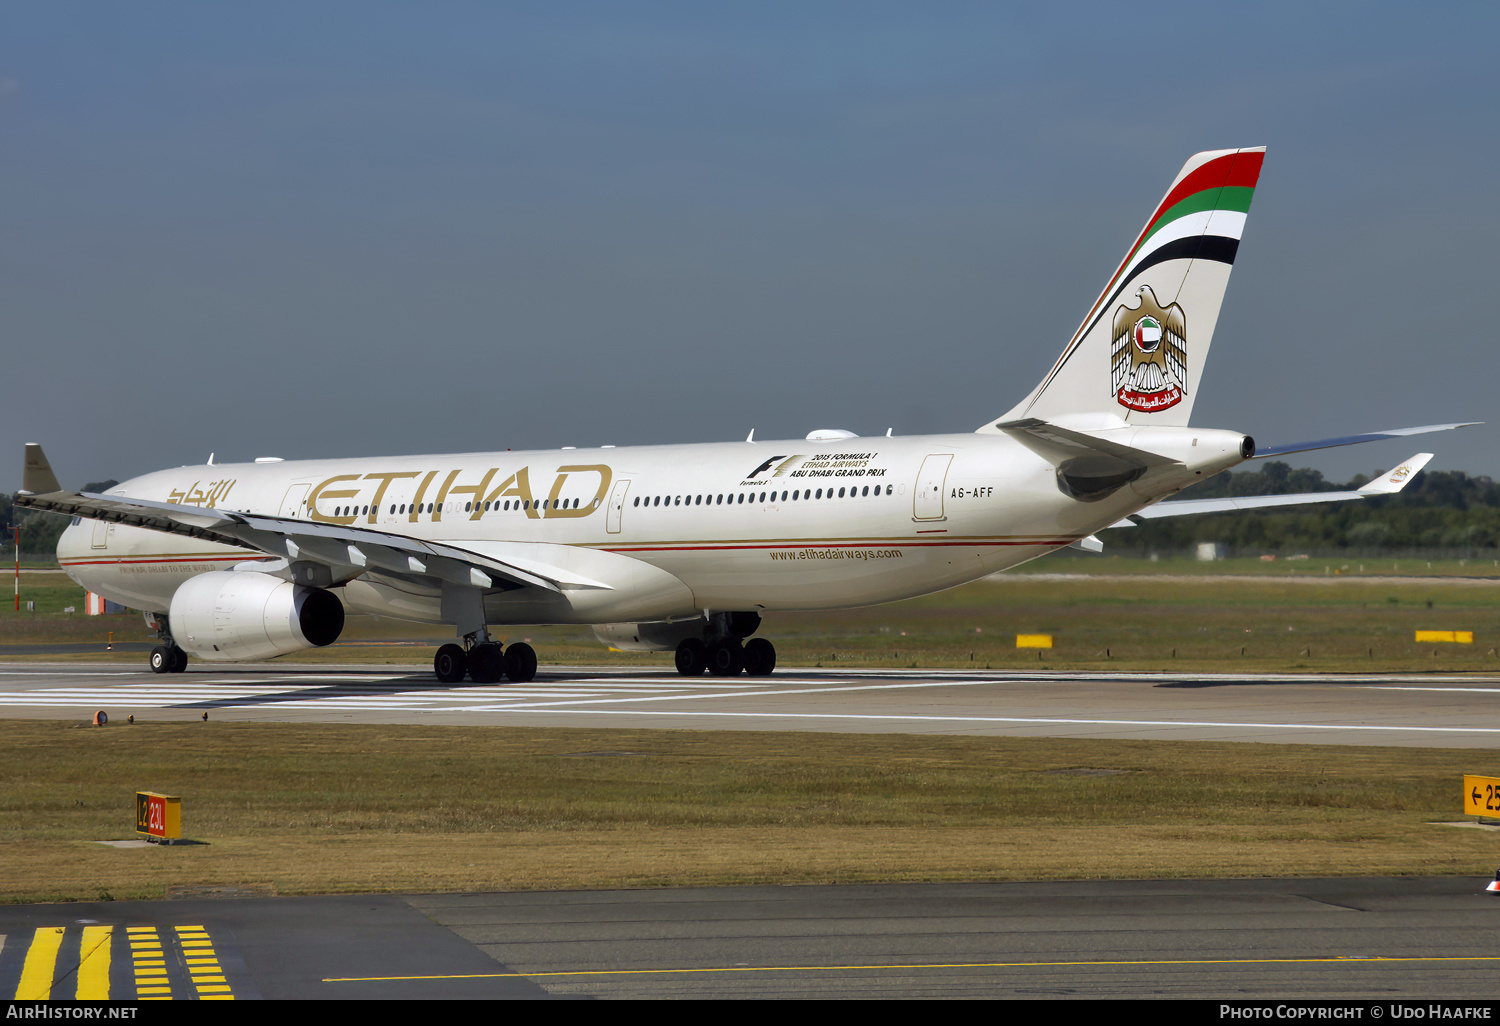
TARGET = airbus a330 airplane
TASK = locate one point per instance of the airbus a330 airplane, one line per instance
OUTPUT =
(683, 547)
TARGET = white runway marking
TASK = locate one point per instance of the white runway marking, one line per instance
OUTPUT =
(1038, 720)
(351, 692)
(1466, 691)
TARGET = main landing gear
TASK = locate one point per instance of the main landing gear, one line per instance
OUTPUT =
(724, 654)
(166, 657)
(485, 662)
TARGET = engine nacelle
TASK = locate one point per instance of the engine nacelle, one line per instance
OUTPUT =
(660, 636)
(226, 615)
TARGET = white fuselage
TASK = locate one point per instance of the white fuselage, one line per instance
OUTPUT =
(742, 526)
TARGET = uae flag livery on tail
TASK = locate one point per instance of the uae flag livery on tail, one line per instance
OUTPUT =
(1141, 348)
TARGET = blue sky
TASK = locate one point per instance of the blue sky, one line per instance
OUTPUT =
(323, 229)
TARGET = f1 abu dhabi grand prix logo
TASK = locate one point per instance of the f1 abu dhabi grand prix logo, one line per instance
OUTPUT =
(1148, 355)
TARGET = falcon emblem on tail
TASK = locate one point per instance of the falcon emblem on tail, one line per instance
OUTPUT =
(1148, 354)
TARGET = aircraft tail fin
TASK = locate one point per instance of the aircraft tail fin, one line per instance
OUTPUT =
(1138, 356)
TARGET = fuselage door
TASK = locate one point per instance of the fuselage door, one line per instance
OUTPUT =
(101, 534)
(928, 502)
(616, 506)
(291, 503)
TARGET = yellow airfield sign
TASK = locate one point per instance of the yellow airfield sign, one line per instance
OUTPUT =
(1481, 796)
(160, 815)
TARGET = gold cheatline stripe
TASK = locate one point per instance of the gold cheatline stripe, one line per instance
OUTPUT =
(1337, 959)
(889, 540)
(858, 540)
(93, 969)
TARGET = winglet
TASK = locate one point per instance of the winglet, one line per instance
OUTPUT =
(1389, 484)
(36, 473)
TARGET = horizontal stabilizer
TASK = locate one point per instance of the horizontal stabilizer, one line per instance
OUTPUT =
(1059, 445)
(1088, 468)
(1373, 436)
(1386, 484)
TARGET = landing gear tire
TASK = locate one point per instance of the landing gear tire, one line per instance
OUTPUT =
(486, 664)
(168, 659)
(520, 662)
(692, 658)
(726, 658)
(450, 664)
(760, 657)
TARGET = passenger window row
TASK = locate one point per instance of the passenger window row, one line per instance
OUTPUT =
(729, 498)
(740, 498)
(494, 506)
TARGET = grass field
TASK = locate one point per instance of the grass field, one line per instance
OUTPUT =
(307, 808)
(349, 808)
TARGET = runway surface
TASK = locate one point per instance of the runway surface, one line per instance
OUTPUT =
(1453, 711)
(1237, 940)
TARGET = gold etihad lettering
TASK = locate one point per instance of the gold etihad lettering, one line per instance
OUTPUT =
(319, 492)
(583, 510)
(517, 485)
(476, 490)
(416, 504)
(194, 495)
(442, 495)
(385, 482)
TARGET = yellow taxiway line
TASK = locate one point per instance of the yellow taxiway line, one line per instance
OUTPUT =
(41, 962)
(1336, 959)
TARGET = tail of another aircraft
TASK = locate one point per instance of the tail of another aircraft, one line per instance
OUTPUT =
(1139, 354)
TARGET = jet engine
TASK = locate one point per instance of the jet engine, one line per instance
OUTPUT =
(664, 636)
(660, 636)
(227, 615)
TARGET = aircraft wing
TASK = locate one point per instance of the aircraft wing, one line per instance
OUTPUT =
(1372, 436)
(312, 553)
(1387, 484)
